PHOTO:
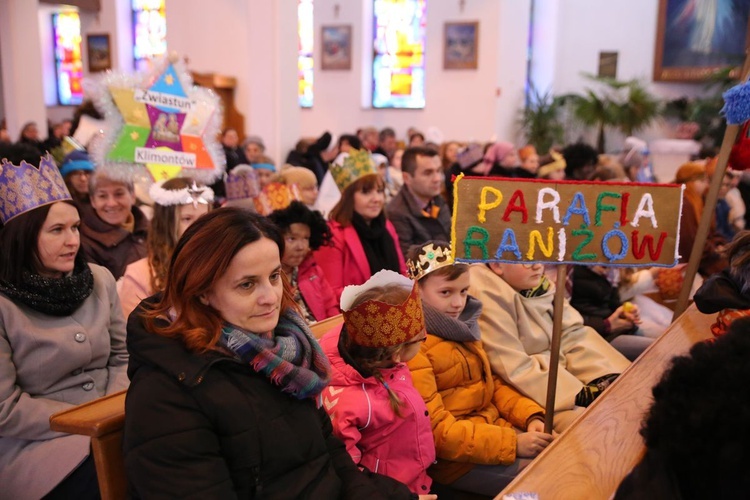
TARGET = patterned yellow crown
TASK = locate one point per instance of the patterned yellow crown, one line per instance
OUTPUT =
(376, 324)
(25, 187)
(431, 257)
(358, 164)
(275, 196)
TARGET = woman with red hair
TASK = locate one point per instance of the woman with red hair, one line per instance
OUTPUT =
(224, 375)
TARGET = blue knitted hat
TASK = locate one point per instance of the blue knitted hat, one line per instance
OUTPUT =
(76, 160)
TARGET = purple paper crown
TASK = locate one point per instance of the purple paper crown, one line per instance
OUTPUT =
(24, 187)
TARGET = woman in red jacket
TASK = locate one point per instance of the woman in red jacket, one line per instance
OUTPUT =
(306, 230)
(364, 241)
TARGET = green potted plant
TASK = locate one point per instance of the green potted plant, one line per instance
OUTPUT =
(623, 105)
(540, 120)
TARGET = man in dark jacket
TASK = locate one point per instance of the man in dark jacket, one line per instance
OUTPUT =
(418, 211)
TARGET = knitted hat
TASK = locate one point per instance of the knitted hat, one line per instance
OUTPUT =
(376, 324)
(498, 151)
(74, 161)
(264, 166)
(430, 258)
(254, 139)
(355, 165)
(301, 176)
(689, 172)
(557, 164)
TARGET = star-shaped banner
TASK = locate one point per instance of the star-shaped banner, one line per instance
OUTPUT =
(158, 122)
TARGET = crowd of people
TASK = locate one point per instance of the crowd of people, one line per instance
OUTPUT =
(199, 300)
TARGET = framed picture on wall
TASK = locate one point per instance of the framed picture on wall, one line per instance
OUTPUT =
(461, 45)
(336, 47)
(696, 38)
(99, 52)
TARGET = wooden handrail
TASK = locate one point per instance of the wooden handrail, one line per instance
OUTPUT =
(95, 418)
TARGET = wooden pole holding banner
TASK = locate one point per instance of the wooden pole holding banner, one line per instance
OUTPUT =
(730, 136)
(554, 358)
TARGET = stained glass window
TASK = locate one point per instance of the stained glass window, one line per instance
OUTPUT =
(149, 31)
(398, 64)
(305, 55)
(68, 66)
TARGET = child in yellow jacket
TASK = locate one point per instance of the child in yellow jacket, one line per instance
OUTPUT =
(477, 421)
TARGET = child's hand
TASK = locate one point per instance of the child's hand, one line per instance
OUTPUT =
(631, 312)
(530, 444)
(619, 322)
(535, 425)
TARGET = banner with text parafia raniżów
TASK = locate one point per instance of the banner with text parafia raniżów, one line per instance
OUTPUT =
(573, 222)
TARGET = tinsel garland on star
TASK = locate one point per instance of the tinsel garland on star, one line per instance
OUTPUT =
(158, 124)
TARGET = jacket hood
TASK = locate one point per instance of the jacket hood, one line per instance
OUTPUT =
(343, 373)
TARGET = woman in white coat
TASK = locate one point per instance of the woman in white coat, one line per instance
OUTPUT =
(62, 336)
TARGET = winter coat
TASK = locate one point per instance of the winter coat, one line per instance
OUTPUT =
(412, 226)
(722, 293)
(344, 261)
(315, 289)
(376, 438)
(596, 299)
(472, 411)
(134, 285)
(112, 246)
(49, 364)
(208, 426)
(517, 335)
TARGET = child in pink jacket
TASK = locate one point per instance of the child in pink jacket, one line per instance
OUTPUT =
(375, 409)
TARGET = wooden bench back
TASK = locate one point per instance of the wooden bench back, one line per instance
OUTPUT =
(590, 459)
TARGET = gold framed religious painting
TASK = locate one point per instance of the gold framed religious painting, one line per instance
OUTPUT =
(461, 45)
(696, 38)
(336, 47)
(99, 52)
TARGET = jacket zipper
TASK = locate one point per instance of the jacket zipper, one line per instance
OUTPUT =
(466, 360)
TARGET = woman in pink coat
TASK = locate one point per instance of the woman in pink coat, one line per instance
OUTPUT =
(364, 241)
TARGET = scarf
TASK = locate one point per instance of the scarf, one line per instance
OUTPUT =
(379, 247)
(289, 357)
(538, 290)
(465, 328)
(53, 296)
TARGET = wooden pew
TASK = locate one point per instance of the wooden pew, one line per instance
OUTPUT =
(103, 421)
(590, 459)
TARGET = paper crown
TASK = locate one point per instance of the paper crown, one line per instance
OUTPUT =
(275, 196)
(192, 195)
(24, 187)
(241, 183)
(430, 258)
(376, 324)
(557, 163)
(358, 164)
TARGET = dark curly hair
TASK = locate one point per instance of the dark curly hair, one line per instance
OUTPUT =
(298, 213)
(577, 157)
(698, 423)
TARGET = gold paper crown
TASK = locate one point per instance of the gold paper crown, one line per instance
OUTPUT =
(376, 324)
(25, 187)
(557, 163)
(358, 164)
(275, 196)
(430, 258)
